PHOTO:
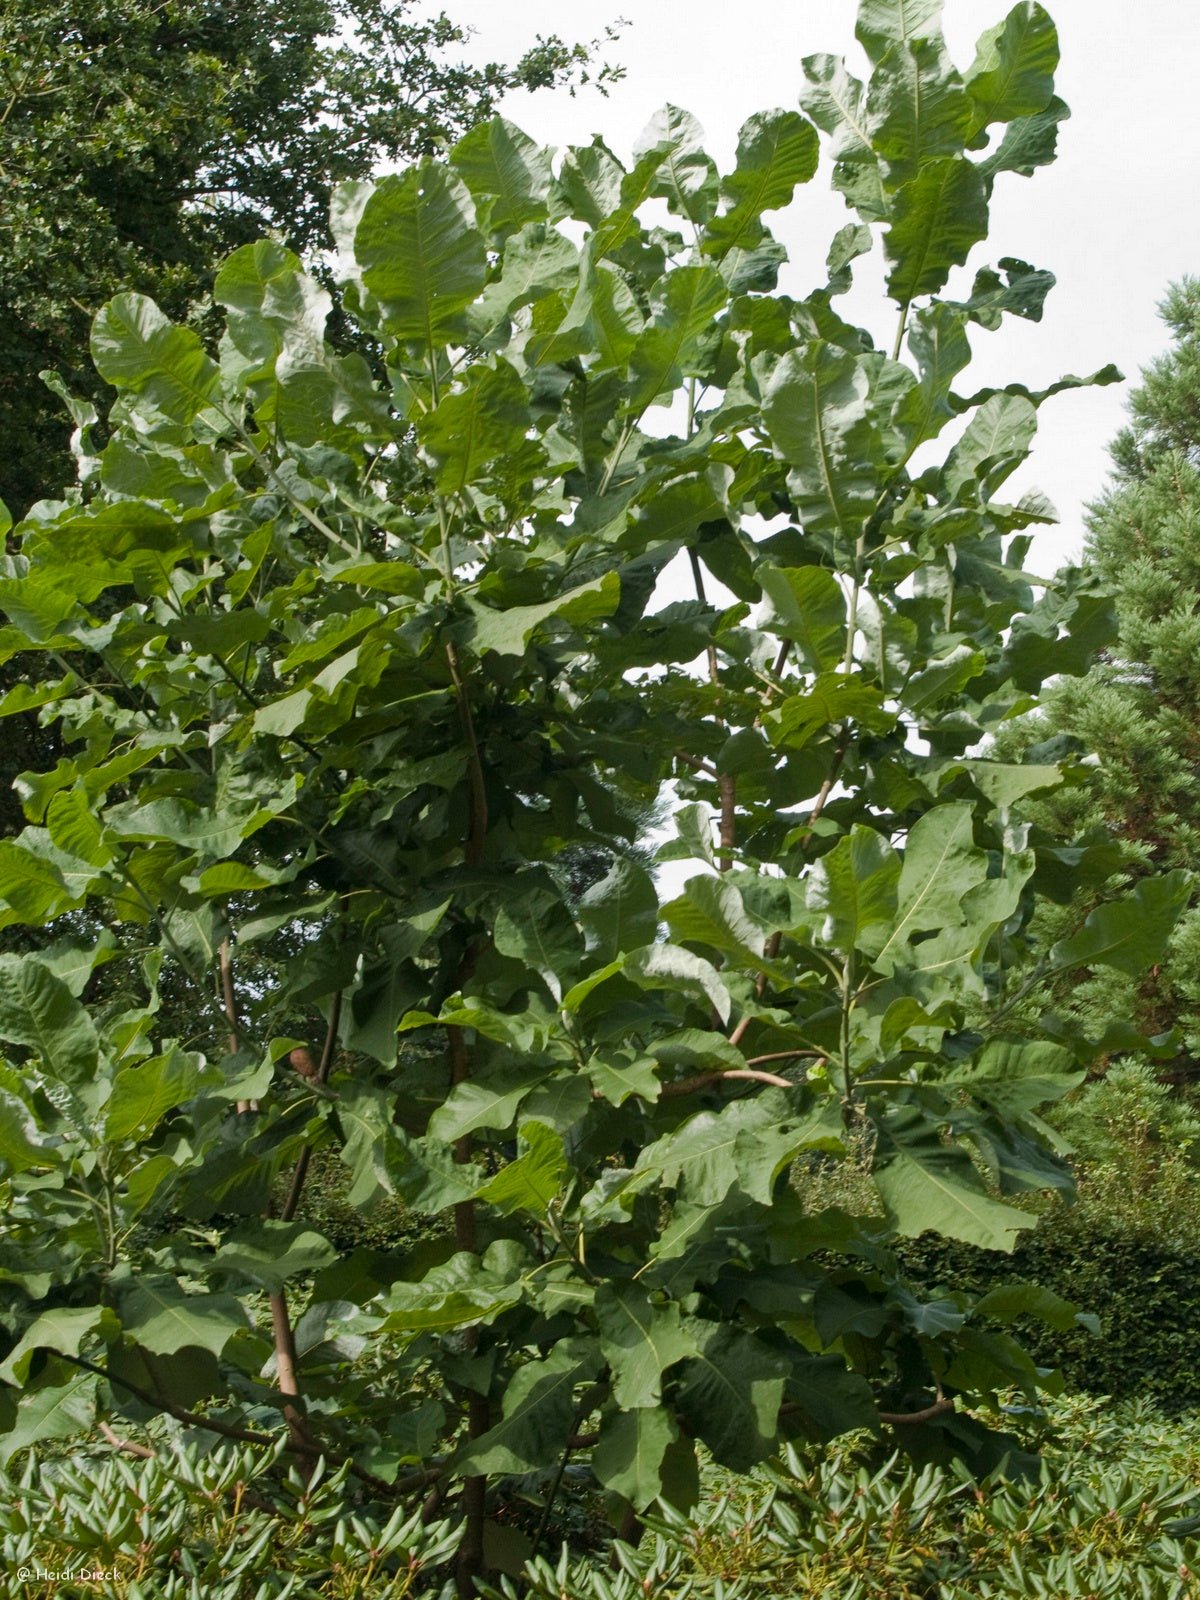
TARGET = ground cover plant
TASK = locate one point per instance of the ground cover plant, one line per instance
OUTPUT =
(1110, 1512)
(362, 696)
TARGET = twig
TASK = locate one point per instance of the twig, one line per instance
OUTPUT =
(127, 1445)
(771, 949)
(192, 1419)
(705, 1080)
(903, 1419)
(325, 1066)
(477, 833)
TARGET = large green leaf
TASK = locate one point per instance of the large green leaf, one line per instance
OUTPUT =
(137, 349)
(856, 885)
(885, 26)
(620, 912)
(162, 1317)
(508, 632)
(1028, 143)
(817, 413)
(931, 1187)
(21, 1145)
(994, 443)
(57, 1412)
(460, 1292)
(39, 1011)
(937, 337)
(776, 151)
(539, 1408)
(640, 1337)
(1131, 933)
(917, 109)
(731, 1394)
(65, 1330)
(939, 216)
(834, 100)
(535, 1179)
(941, 864)
(540, 931)
(667, 966)
(142, 1094)
(421, 254)
(744, 1147)
(272, 305)
(711, 911)
(272, 1252)
(476, 425)
(681, 337)
(1016, 1076)
(805, 605)
(686, 177)
(1013, 72)
(507, 173)
(490, 1102)
(628, 1457)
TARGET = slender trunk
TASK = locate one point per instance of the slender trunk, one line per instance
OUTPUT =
(469, 1563)
(281, 1324)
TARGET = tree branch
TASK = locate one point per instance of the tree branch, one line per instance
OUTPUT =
(705, 1080)
(191, 1419)
(324, 1067)
(128, 1446)
(477, 832)
(904, 1419)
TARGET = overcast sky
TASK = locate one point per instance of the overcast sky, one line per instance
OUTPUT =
(1117, 217)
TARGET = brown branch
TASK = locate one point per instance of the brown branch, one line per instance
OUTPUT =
(477, 832)
(321, 1076)
(287, 1372)
(705, 1080)
(727, 787)
(226, 1430)
(191, 1418)
(904, 1419)
(785, 1055)
(696, 763)
(129, 1447)
(286, 1365)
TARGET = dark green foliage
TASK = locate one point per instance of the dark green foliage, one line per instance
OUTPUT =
(1111, 1514)
(1135, 714)
(142, 142)
(1128, 1247)
(366, 655)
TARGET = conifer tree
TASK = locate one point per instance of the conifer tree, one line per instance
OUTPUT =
(1135, 717)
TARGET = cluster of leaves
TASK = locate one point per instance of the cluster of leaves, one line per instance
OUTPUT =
(1093, 1523)
(145, 141)
(366, 652)
(1109, 1512)
(1134, 713)
(1128, 1244)
(194, 1523)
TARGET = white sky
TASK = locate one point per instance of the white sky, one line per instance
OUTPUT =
(1116, 218)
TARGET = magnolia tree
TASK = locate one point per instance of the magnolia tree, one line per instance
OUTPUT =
(355, 662)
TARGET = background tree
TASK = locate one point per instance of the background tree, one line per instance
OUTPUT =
(141, 142)
(1136, 714)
